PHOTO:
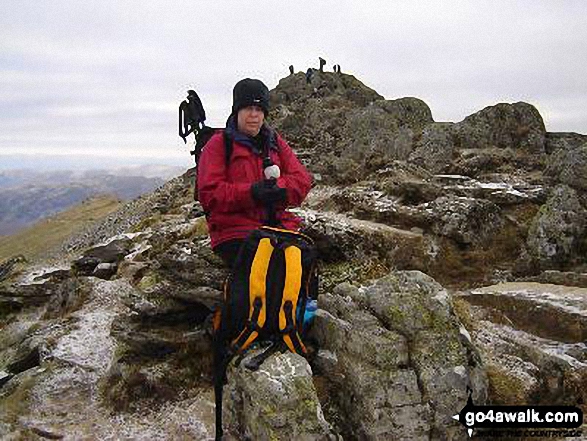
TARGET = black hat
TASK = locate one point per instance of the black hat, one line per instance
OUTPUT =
(249, 92)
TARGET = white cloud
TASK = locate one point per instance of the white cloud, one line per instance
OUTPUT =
(110, 75)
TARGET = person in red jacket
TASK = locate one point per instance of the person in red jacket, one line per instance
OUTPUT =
(263, 174)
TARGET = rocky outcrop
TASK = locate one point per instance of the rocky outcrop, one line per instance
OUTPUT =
(465, 220)
(409, 112)
(514, 126)
(279, 401)
(436, 148)
(549, 311)
(398, 363)
(339, 237)
(563, 140)
(557, 233)
(532, 339)
(498, 138)
(568, 166)
(341, 128)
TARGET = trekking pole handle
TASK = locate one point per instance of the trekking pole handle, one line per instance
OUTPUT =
(272, 172)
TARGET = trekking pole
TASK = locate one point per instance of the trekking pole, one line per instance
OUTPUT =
(271, 172)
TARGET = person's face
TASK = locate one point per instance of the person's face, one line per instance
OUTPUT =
(250, 120)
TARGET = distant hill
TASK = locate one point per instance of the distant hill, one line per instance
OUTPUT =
(42, 236)
(27, 196)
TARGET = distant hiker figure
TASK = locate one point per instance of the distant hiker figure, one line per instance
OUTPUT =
(337, 68)
(291, 70)
(256, 182)
(309, 74)
(322, 63)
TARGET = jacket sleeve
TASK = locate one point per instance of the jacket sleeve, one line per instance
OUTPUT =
(215, 192)
(294, 176)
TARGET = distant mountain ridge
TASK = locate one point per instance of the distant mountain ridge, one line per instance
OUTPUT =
(72, 161)
(27, 196)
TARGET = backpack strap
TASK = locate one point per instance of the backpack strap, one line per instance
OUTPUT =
(227, 147)
(289, 302)
(257, 296)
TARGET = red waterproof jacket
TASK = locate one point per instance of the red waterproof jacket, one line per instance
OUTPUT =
(225, 192)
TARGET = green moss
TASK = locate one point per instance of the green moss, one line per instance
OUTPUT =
(462, 309)
(148, 222)
(149, 281)
(122, 386)
(504, 388)
(198, 230)
(474, 265)
(16, 404)
(355, 272)
(395, 314)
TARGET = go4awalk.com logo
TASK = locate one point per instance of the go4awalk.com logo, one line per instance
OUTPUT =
(522, 421)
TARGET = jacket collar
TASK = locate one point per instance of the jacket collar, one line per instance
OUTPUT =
(268, 135)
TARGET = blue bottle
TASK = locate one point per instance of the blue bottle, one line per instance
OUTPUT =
(311, 307)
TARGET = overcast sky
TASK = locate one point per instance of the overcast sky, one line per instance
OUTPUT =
(106, 77)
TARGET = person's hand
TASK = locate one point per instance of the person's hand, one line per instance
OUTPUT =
(267, 192)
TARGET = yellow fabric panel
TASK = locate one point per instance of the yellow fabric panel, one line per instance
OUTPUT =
(250, 340)
(290, 345)
(293, 283)
(257, 278)
(288, 342)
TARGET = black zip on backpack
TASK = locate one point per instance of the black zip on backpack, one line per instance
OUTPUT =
(264, 300)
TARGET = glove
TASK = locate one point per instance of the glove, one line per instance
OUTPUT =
(267, 192)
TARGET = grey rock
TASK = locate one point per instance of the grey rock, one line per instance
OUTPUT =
(566, 278)
(554, 312)
(525, 368)
(26, 357)
(465, 220)
(203, 295)
(343, 130)
(372, 138)
(325, 362)
(339, 237)
(569, 166)
(278, 401)
(402, 366)
(8, 265)
(499, 189)
(191, 264)
(164, 303)
(132, 270)
(532, 338)
(111, 252)
(516, 126)
(436, 148)
(501, 137)
(55, 293)
(5, 377)
(85, 266)
(409, 111)
(563, 140)
(105, 270)
(557, 230)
